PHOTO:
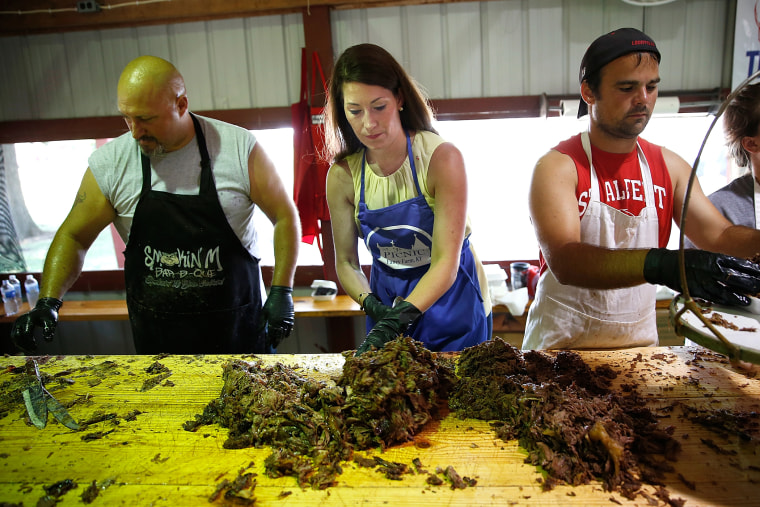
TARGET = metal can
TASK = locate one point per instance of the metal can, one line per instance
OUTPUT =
(519, 274)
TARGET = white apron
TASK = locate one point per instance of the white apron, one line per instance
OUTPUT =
(757, 203)
(570, 317)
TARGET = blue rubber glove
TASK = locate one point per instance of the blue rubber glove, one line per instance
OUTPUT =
(719, 278)
(395, 322)
(44, 315)
(278, 314)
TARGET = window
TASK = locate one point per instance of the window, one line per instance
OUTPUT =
(49, 175)
(499, 156)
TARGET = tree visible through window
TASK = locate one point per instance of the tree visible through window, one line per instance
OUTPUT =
(11, 257)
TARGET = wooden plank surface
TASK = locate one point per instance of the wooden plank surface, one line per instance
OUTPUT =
(116, 309)
(305, 306)
(151, 460)
(341, 306)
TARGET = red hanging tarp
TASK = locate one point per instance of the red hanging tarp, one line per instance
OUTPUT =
(309, 191)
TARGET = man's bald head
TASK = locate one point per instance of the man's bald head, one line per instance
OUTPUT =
(151, 75)
(152, 100)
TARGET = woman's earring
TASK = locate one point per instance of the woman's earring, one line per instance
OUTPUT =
(401, 108)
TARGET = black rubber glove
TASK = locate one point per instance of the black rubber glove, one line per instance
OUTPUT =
(44, 315)
(395, 322)
(375, 308)
(719, 278)
(278, 314)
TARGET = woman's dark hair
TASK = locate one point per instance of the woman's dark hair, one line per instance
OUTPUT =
(742, 119)
(372, 65)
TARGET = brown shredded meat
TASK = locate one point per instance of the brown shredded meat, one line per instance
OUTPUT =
(564, 414)
(558, 408)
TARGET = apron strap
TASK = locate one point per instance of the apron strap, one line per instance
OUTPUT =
(411, 164)
(206, 184)
(646, 173)
(145, 173)
(303, 95)
(756, 200)
(316, 67)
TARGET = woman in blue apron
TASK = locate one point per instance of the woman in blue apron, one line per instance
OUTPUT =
(397, 185)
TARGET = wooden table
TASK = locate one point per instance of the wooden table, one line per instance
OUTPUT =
(337, 312)
(116, 309)
(151, 460)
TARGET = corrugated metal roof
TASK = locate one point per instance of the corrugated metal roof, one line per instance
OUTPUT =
(227, 64)
(521, 47)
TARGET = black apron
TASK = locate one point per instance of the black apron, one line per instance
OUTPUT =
(192, 288)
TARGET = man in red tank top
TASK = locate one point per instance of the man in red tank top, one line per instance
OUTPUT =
(602, 204)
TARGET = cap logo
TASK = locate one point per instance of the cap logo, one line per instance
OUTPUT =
(642, 42)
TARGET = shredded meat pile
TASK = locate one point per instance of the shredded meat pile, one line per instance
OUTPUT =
(381, 398)
(565, 416)
(559, 409)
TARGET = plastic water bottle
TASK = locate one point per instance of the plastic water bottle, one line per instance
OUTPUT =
(17, 288)
(32, 290)
(9, 298)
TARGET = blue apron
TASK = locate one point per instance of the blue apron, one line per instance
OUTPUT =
(400, 239)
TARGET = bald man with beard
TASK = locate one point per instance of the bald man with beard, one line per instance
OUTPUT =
(181, 191)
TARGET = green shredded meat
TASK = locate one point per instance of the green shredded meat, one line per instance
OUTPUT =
(561, 411)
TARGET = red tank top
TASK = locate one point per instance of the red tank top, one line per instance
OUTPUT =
(620, 183)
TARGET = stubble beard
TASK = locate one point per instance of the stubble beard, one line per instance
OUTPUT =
(624, 129)
(157, 150)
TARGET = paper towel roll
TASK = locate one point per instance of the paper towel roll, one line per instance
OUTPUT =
(667, 106)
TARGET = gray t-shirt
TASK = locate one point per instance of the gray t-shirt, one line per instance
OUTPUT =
(736, 201)
(118, 171)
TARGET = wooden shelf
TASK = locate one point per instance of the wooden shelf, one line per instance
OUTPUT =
(305, 307)
(116, 309)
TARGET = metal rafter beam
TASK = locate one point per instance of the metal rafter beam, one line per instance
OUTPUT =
(20, 17)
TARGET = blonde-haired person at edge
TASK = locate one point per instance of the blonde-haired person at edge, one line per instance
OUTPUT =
(602, 204)
(400, 187)
(739, 201)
